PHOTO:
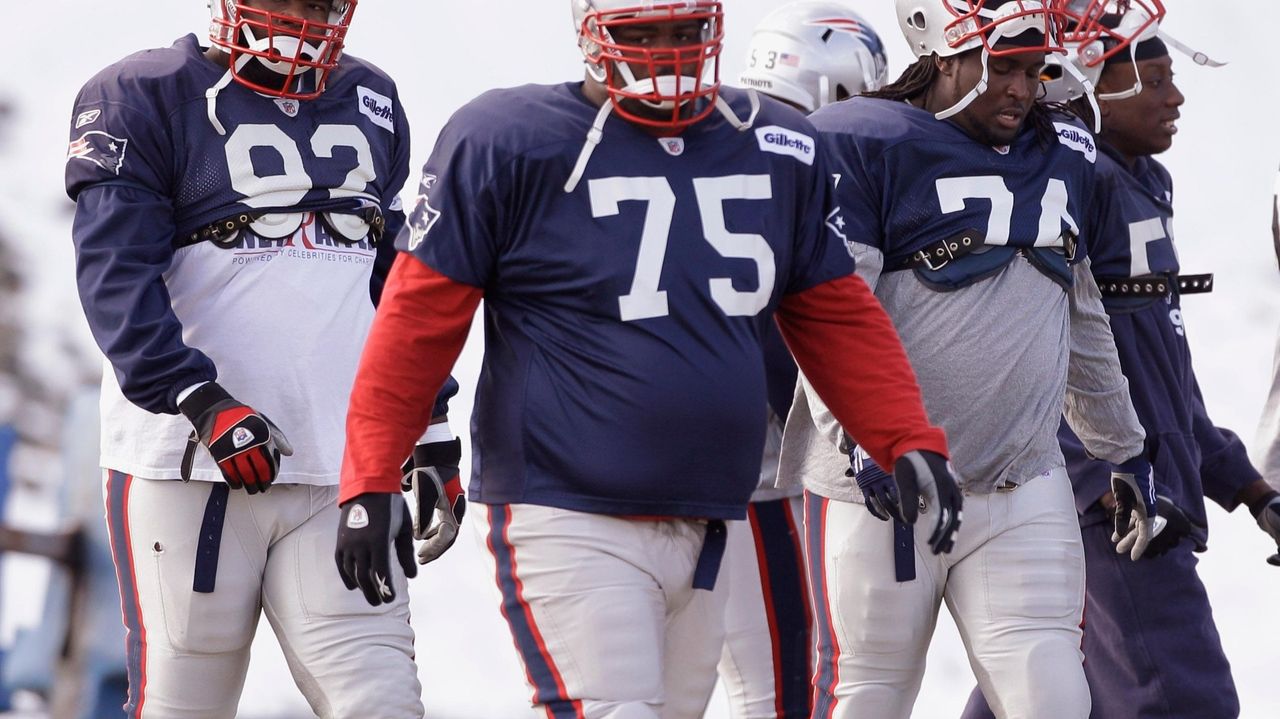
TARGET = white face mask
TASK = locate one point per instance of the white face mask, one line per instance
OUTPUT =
(286, 47)
(664, 85)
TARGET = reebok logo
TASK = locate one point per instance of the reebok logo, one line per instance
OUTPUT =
(241, 437)
(377, 107)
(88, 117)
(781, 141)
(1077, 139)
(357, 518)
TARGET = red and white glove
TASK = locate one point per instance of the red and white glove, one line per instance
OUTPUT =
(245, 444)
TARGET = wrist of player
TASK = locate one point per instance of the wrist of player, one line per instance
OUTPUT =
(879, 491)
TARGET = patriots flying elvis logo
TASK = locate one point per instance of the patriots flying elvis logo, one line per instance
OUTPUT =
(104, 150)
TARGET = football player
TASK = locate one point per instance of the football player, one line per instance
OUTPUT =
(629, 234)
(1150, 644)
(233, 207)
(965, 199)
(1269, 427)
(807, 54)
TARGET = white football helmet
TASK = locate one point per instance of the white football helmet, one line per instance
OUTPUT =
(281, 43)
(950, 27)
(814, 52)
(665, 79)
(1098, 30)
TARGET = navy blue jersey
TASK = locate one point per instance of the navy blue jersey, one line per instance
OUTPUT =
(1190, 457)
(906, 181)
(628, 309)
(1136, 207)
(152, 160)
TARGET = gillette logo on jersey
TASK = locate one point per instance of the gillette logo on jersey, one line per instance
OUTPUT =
(782, 141)
(1077, 139)
(377, 107)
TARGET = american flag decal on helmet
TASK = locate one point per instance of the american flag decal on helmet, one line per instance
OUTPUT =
(105, 151)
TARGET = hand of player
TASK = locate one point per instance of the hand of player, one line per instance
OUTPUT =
(1178, 527)
(1137, 521)
(369, 525)
(1269, 521)
(245, 444)
(878, 488)
(432, 474)
(921, 473)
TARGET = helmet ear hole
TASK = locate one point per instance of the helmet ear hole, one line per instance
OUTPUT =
(842, 93)
(917, 20)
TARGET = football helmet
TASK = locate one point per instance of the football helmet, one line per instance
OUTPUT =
(950, 27)
(1096, 31)
(284, 44)
(666, 79)
(814, 52)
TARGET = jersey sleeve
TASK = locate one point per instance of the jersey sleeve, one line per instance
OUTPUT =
(1225, 468)
(1097, 406)
(821, 250)
(118, 173)
(855, 193)
(453, 226)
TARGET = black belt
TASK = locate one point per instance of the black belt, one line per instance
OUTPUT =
(1155, 285)
(225, 231)
(937, 255)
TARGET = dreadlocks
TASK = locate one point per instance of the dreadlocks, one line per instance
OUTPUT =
(920, 76)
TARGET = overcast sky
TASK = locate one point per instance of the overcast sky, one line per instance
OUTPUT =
(444, 53)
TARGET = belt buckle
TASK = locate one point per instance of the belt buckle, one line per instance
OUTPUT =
(1007, 485)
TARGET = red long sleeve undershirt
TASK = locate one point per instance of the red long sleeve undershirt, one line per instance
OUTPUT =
(849, 350)
(838, 332)
(417, 335)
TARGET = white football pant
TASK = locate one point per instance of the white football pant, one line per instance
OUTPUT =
(188, 651)
(603, 611)
(1014, 584)
(768, 648)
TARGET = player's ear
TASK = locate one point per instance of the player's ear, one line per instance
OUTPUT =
(946, 65)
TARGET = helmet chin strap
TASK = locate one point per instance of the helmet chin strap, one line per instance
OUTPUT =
(1078, 75)
(211, 95)
(596, 134)
(973, 94)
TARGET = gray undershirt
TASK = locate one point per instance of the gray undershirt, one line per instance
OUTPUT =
(999, 363)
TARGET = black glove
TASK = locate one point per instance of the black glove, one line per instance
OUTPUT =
(924, 474)
(432, 475)
(1137, 522)
(244, 443)
(1178, 527)
(879, 491)
(369, 525)
(1269, 521)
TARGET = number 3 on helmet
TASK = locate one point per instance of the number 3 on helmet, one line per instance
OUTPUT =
(287, 46)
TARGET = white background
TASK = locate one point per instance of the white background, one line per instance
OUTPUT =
(444, 53)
